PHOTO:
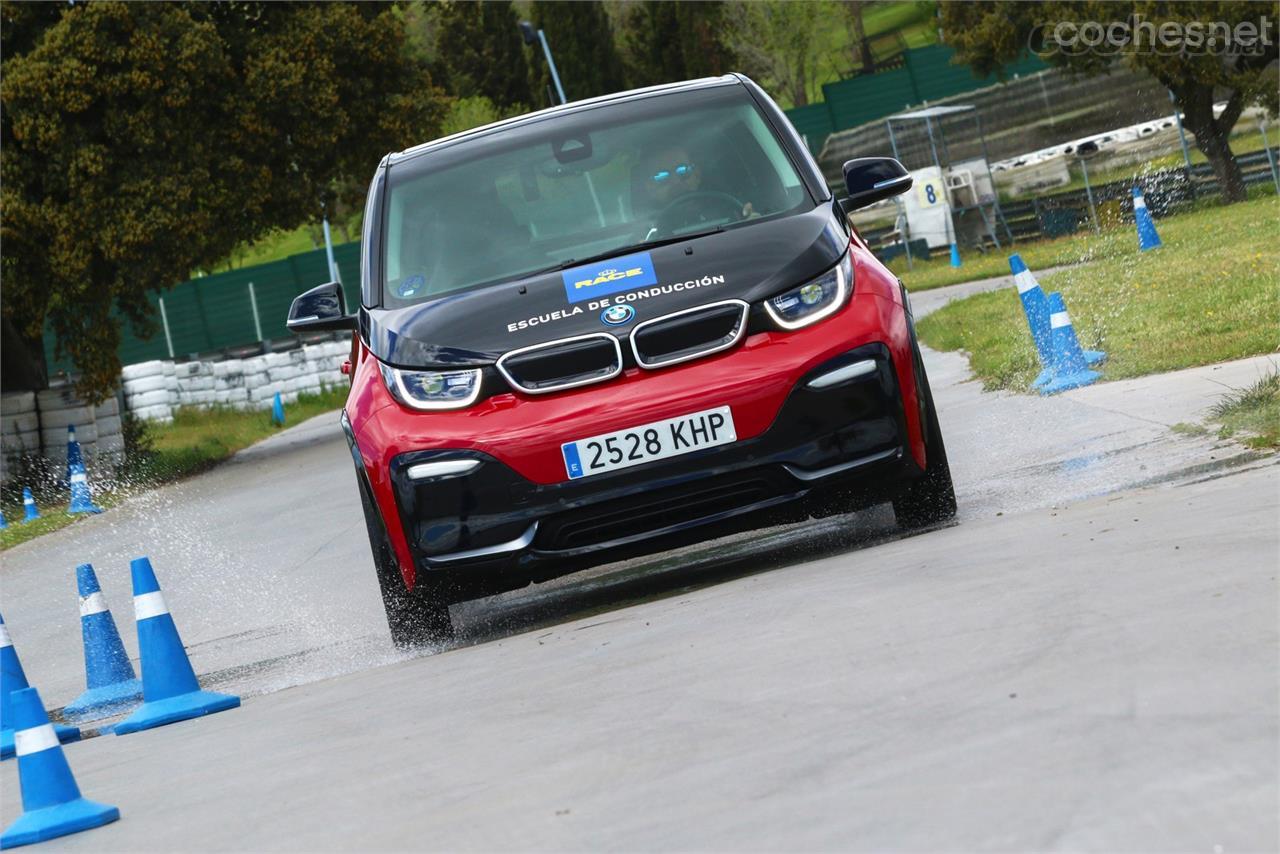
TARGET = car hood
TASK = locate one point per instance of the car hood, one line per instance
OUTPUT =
(474, 328)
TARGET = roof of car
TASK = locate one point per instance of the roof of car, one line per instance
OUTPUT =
(562, 109)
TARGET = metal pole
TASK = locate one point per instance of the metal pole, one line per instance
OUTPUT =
(946, 194)
(551, 63)
(1044, 96)
(906, 226)
(1182, 137)
(905, 231)
(1088, 191)
(893, 142)
(164, 321)
(253, 303)
(1271, 157)
(995, 195)
(334, 275)
(942, 137)
(555, 77)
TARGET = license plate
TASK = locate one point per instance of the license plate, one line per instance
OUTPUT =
(648, 442)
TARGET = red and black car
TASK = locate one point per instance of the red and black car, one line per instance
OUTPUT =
(615, 327)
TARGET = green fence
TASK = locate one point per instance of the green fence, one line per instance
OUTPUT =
(926, 75)
(215, 312)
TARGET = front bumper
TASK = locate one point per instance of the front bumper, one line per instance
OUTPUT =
(841, 432)
(522, 479)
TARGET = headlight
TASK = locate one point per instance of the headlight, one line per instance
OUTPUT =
(815, 300)
(432, 389)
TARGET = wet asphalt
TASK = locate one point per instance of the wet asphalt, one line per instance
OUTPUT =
(1044, 674)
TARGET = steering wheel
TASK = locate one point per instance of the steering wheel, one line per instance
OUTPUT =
(696, 207)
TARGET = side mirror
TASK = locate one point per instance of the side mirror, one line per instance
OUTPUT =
(320, 309)
(872, 179)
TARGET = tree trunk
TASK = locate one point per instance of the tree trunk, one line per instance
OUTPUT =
(22, 366)
(858, 44)
(1212, 135)
(1217, 150)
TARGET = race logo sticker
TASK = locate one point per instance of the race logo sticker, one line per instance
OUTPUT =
(592, 281)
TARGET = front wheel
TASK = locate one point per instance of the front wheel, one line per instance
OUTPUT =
(417, 617)
(932, 498)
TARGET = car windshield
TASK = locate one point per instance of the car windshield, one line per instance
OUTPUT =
(554, 192)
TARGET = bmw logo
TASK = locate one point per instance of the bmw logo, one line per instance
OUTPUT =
(616, 315)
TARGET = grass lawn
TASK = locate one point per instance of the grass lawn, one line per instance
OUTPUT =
(280, 244)
(938, 272)
(1243, 143)
(831, 50)
(196, 440)
(1079, 248)
(1253, 411)
(1210, 294)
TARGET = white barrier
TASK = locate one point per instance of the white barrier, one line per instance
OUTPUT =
(153, 389)
(34, 424)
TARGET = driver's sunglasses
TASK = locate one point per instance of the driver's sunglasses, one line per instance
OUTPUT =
(684, 170)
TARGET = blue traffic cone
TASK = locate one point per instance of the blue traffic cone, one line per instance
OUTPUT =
(81, 496)
(13, 678)
(51, 802)
(955, 255)
(1036, 308)
(169, 685)
(3, 523)
(73, 450)
(277, 410)
(1147, 237)
(29, 505)
(112, 684)
(1069, 368)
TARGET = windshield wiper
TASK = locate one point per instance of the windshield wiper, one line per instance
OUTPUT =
(623, 250)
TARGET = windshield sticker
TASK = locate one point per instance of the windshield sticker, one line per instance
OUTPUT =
(592, 281)
(412, 286)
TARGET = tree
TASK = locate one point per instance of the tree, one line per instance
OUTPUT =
(665, 42)
(581, 42)
(987, 35)
(776, 42)
(480, 50)
(143, 141)
(859, 47)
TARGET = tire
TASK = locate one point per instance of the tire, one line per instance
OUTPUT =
(930, 499)
(153, 368)
(417, 617)
(148, 398)
(142, 385)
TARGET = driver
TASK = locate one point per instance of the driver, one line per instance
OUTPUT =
(669, 174)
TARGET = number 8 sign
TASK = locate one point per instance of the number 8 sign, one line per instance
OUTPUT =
(929, 194)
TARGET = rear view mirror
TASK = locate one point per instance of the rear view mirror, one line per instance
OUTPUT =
(319, 309)
(872, 179)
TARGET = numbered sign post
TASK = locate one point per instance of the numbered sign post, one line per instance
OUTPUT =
(928, 214)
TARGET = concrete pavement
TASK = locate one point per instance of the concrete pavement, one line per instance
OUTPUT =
(826, 685)
(1096, 677)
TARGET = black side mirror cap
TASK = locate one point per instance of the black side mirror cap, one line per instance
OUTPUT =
(320, 309)
(872, 179)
